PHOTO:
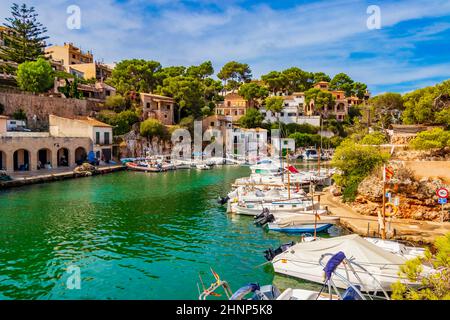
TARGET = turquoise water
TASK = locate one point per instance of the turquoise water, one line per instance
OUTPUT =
(133, 236)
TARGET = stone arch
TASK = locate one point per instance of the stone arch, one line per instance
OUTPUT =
(22, 160)
(44, 158)
(3, 165)
(80, 155)
(63, 157)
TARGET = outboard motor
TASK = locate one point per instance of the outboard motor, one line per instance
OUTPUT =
(223, 200)
(264, 217)
(270, 253)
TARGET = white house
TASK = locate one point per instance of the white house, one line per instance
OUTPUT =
(293, 111)
(247, 144)
(285, 143)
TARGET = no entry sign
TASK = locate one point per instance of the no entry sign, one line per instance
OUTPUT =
(442, 193)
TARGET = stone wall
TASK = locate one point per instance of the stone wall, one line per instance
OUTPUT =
(38, 108)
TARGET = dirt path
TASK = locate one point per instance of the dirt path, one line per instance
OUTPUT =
(401, 229)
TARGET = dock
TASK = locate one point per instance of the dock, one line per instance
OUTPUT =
(37, 177)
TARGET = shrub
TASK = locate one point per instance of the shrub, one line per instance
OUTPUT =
(374, 138)
(252, 119)
(437, 138)
(117, 103)
(35, 76)
(153, 128)
(355, 162)
(434, 286)
(122, 122)
(19, 114)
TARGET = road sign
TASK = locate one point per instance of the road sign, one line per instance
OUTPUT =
(442, 193)
(388, 173)
(442, 200)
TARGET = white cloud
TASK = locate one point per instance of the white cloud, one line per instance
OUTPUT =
(317, 36)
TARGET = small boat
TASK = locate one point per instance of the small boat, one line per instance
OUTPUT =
(287, 206)
(310, 155)
(302, 261)
(143, 167)
(303, 223)
(203, 167)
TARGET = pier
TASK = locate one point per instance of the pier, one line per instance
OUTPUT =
(42, 176)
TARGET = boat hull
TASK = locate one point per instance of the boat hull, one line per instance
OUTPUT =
(305, 228)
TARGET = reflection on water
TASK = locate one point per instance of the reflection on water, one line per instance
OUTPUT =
(133, 235)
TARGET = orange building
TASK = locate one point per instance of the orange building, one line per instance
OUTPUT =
(234, 106)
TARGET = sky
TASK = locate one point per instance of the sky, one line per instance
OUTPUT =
(410, 50)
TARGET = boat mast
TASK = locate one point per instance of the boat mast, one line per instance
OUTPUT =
(289, 176)
(281, 151)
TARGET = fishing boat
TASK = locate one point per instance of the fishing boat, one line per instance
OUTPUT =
(203, 167)
(302, 261)
(148, 167)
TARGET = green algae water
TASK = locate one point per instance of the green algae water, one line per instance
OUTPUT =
(132, 236)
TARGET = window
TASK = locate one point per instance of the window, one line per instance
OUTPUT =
(148, 105)
(282, 114)
(212, 124)
(97, 138)
(107, 138)
(285, 142)
(291, 114)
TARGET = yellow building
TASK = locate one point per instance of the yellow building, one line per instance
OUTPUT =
(78, 62)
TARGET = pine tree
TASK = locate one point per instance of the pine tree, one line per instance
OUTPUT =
(26, 39)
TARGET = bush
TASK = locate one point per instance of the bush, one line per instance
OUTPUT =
(305, 139)
(355, 162)
(19, 115)
(252, 119)
(35, 76)
(434, 286)
(437, 138)
(374, 138)
(153, 128)
(117, 103)
(122, 122)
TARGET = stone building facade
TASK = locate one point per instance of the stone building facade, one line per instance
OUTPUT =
(158, 107)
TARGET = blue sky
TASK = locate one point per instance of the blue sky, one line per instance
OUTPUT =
(411, 50)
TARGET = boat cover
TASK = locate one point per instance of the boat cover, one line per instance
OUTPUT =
(353, 246)
(299, 219)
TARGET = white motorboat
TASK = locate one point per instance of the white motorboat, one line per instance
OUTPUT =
(302, 261)
(203, 167)
(247, 194)
(287, 206)
(398, 248)
(302, 223)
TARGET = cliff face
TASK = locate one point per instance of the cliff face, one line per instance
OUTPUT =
(417, 198)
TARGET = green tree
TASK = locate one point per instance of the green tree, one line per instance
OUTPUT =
(434, 285)
(359, 89)
(116, 103)
(385, 107)
(297, 80)
(374, 138)
(433, 139)
(152, 128)
(70, 90)
(35, 76)
(320, 76)
(301, 128)
(322, 100)
(274, 104)
(26, 41)
(136, 75)
(252, 119)
(20, 115)
(202, 71)
(235, 73)
(355, 162)
(343, 82)
(253, 92)
(275, 81)
(306, 139)
(188, 93)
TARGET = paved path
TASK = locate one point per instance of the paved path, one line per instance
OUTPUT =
(401, 229)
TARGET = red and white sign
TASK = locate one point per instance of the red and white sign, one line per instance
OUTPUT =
(442, 193)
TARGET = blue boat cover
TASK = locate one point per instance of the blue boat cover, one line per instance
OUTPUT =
(333, 263)
(91, 156)
(242, 292)
(351, 294)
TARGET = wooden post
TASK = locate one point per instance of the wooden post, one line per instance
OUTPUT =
(289, 177)
(383, 233)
